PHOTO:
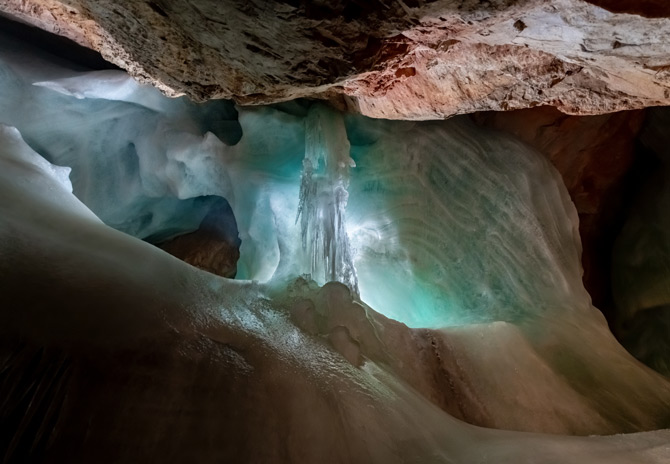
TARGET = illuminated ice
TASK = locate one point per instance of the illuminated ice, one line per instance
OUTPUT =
(156, 157)
(112, 310)
(323, 198)
(454, 224)
(444, 223)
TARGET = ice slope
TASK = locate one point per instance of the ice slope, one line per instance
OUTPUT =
(113, 351)
(462, 232)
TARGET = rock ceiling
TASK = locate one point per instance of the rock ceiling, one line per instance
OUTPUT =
(408, 59)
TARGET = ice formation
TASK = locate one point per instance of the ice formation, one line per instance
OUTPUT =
(162, 172)
(323, 198)
(432, 242)
(148, 337)
(464, 234)
(467, 226)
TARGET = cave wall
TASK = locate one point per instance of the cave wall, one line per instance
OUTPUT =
(594, 154)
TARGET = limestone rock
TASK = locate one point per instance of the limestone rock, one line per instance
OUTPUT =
(408, 59)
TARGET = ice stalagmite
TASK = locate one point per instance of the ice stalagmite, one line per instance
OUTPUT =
(323, 198)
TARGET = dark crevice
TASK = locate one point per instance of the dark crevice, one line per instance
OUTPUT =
(55, 44)
(157, 9)
(645, 8)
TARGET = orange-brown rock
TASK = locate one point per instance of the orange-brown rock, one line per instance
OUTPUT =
(406, 59)
(214, 247)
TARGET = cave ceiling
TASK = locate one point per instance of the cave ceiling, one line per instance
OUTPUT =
(410, 59)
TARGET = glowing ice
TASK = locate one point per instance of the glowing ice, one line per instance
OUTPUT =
(153, 155)
(445, 223)
(227, 350)
(453, 224)
(323, 198)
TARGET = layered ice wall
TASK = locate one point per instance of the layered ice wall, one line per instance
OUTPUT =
(113, 351)
(453, 225)
(444, 223)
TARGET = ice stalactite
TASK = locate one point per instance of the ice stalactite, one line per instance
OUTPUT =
(323, 198)
(446, 224)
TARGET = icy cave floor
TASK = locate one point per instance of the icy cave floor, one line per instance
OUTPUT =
(114, 351)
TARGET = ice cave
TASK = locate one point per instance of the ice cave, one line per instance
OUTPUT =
(301, 231)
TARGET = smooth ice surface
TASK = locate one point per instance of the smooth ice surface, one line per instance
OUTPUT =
(202, 368)
(111, 350)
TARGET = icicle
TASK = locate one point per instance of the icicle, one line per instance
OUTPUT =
(323, 198)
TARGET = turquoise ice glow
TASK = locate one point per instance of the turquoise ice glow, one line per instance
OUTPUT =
(453, 224)
(445, 223)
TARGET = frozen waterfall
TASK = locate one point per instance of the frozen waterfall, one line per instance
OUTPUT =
(323, 198)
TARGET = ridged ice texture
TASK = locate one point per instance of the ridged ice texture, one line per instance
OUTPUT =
(452, 224)
(180, 365)
(448, 224)
(135, 355)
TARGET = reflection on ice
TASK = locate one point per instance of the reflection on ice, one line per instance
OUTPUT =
(138, 356)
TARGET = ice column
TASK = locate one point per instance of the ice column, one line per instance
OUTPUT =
(323, 199)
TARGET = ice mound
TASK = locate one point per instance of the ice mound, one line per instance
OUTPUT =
(115, 351)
